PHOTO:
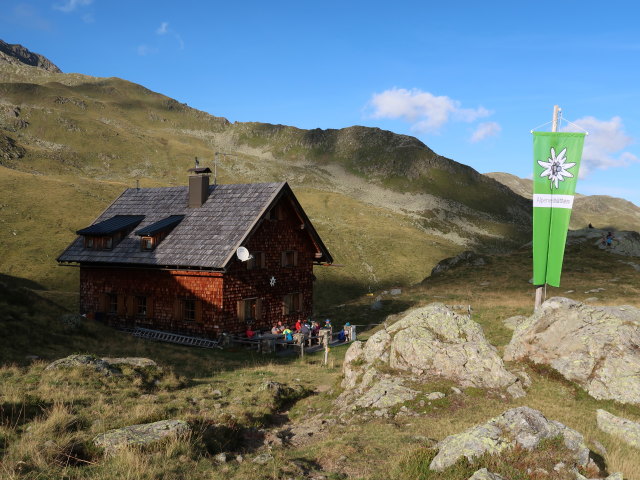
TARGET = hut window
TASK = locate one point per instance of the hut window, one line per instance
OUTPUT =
(189, 309)
(290, 258)
(141, 306)
(292, 303)
(249, 309)
(112, 305)
(147, 243)
(88, 242)
(258, 261)
(107, 243)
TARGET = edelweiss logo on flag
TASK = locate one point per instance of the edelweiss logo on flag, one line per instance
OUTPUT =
(555, 168)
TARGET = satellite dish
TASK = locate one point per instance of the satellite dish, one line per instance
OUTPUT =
(243, 254)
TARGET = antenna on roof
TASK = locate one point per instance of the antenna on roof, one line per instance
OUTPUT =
(137, 184)
(243, 254)
(197, 163)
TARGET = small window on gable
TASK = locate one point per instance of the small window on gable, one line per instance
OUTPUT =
(107, 243)
(275, 213)
(88, 242)
(257, 261)
(290, 258)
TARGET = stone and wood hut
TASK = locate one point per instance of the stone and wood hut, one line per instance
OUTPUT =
(165, 258)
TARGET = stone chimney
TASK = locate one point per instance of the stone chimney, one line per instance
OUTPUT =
(198, 186)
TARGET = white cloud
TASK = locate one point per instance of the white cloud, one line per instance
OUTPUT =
(71, 5)
(485, 130)
(163, 28)
(603, 147)
(425, 111)
(145, 50)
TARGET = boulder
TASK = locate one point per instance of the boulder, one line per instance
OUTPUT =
(626, 430)
(484, 474)
(523, 427)
(597, 347)
(512, 322)
(140, 435)
(466, 258)
(85, 361)
(425, 343)
(137, 362)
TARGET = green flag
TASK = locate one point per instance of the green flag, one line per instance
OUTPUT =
(556, 160)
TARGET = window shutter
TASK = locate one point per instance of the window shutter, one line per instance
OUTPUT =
(285, 305)
(150, 310)
(263, 262)
(198, 311)
(283, 260)
(295, 258)
(258, 309)
(131, 306)
(241, 310)
(177, 309)
(104, 302)
(300, 302)
(122, 309)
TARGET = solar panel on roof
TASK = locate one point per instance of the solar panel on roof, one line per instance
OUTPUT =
(114, 224)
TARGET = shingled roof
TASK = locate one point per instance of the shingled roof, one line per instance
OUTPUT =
(207, 237)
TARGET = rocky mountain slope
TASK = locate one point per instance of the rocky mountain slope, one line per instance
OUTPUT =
(17, 54)
(602, 211)
(361, 186)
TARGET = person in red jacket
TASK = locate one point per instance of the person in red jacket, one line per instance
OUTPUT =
(298, 325)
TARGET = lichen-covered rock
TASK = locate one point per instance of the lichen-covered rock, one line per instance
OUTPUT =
(138, 362)
(484, 474)
(86, 361)
(596, 347)
(385, 393)
(512, 322)
(626, 430)
(140, 435)
(426, 343)
(522, 426)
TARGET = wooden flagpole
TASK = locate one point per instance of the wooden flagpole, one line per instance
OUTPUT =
(541, 288)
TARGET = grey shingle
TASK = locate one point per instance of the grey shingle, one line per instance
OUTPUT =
(206, 237)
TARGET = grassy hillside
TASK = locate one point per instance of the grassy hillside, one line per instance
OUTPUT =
(70, 143)
(602, 211)
(48, 418)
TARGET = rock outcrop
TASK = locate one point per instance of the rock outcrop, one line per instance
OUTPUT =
(140, 435)
(626, 430)
(426, 343)
(85, 361)
(15, 53)
(484, 474)
(523, 427)
(596, 347)
(107, 366)
(467, 257)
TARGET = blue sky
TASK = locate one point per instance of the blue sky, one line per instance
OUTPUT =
(469, 79)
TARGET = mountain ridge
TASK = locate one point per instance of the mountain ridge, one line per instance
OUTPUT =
(16, 53)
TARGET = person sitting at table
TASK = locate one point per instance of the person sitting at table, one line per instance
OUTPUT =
(275, 330)
(315, 328)
(298, 325)
(304, 331)
(250, 333)
(288, 334)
